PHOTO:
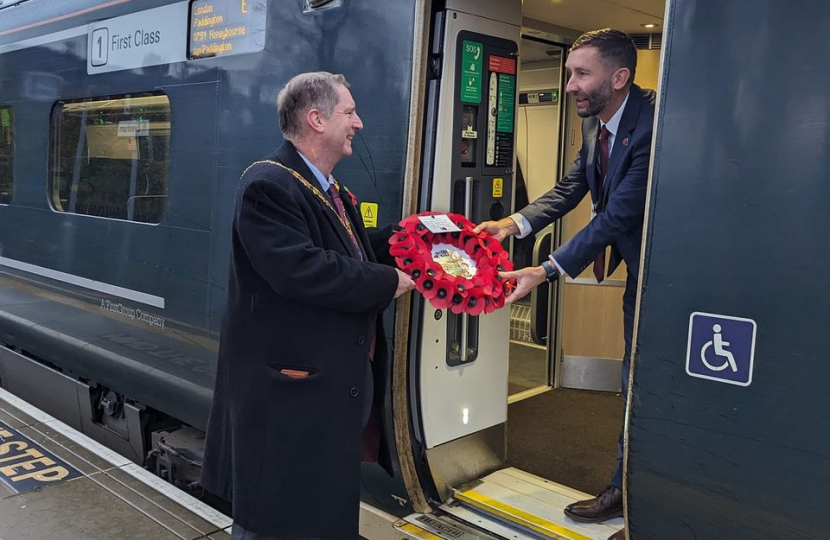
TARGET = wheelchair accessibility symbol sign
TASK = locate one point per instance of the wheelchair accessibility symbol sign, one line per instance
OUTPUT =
(721, 348)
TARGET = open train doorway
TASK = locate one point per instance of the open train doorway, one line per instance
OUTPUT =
(566, 340)
(553, 440)
(564, 412)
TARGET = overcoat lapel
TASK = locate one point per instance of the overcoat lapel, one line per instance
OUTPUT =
(288, 156)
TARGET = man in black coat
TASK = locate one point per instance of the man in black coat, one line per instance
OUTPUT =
(301, 331)
(613, 167)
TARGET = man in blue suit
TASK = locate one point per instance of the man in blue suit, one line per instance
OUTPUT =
(613, 166)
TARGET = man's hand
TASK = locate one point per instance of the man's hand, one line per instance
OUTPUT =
(526, 279)
(405, 283)
(500, 229)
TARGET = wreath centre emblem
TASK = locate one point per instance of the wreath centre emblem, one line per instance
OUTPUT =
(454, 261)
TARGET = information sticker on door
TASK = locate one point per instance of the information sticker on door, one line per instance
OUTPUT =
(498, 188)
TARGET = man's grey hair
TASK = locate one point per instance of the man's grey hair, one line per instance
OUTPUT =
(315, 90)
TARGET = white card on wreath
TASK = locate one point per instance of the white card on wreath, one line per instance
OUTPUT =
(439, 223)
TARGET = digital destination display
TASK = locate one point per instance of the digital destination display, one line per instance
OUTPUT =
(226, 27)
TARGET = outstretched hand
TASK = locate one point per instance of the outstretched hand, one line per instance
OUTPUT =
(500, 229)
(526, 279)
(405, 283)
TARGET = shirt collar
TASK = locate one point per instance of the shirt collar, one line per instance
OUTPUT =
(324, 182)
(613, 125)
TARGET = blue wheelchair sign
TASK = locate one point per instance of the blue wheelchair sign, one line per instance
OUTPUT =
(721, 348)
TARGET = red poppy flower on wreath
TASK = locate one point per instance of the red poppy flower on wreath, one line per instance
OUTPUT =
(454, 269)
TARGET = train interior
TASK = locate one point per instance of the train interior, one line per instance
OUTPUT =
(566, 343)
(574, 353)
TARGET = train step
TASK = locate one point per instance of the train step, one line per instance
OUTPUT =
(460, 524)
(529, 504)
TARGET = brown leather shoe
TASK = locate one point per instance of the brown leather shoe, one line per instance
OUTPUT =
(619, 535)
(607, 505)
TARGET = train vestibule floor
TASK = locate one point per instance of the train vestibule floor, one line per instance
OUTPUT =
(567, 436)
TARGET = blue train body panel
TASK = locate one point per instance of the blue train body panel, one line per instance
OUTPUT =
(734, 262)
(222, 117)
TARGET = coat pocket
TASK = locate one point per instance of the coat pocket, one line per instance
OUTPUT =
(293, 373)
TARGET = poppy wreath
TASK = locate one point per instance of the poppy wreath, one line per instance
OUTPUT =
(483, 292)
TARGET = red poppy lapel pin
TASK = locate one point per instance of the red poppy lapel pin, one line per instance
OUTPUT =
(351, 196)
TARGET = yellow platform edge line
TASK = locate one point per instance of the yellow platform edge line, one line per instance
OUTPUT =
(525, 519)
(417, 532)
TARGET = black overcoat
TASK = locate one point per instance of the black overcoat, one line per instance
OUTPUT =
(286, 451)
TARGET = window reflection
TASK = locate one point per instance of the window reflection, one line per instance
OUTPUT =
(6, 154)
(110, 157)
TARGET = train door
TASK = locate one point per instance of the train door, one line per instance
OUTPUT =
(463, 368)
(461, 362)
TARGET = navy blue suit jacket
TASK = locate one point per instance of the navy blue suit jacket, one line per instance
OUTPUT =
(619, 201)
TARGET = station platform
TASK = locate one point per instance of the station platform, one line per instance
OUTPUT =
(58, 483)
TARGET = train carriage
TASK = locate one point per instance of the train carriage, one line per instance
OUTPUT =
(124, 128)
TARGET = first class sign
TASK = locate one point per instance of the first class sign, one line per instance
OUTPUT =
(146, 38)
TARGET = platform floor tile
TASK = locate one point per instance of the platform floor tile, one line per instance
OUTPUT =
(80, 509)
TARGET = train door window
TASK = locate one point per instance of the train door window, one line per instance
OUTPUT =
(111, 157)
(6, 154)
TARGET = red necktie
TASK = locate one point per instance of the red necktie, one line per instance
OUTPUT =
(599, 262)
(338, 203)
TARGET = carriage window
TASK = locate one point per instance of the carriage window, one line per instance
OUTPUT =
(110, 157)
(6, 154)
